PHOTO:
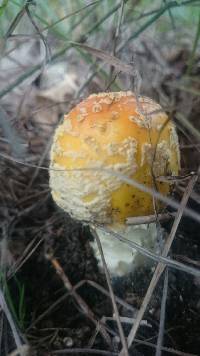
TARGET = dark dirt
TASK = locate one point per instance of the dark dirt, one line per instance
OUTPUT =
(65, 326)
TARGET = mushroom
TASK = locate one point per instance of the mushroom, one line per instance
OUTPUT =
(114, 132)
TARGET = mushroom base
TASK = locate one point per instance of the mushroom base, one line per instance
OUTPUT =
(120, 258)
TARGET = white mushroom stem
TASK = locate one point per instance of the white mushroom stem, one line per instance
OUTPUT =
(120, 257)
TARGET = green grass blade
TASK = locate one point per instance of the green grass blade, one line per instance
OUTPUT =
(194, 48)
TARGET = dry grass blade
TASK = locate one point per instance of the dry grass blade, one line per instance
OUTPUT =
(23, 351)
(107, 58)
(104, 18)
(49, 310)
(110, 41)
(105, 292)
(160, 267)
(121, 332)
(77, 286)
(194, 49)
(6, 310)
(167, 261)
(29, 250)
(168, 201)
(40, 162)
(115, 41)
(175, 179)
(187, 124)
(162, 315)
(15, 22)
(120, 18)
(84, 351)
(39, 66)
(139, 220)
(47, 49)
(154, 18)
(83, 305)
(76, 12)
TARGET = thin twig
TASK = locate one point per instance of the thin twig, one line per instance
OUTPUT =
(16, 21)
(170, 16)
(162, 316)
(47, 48)
(47, 311)
(121, 332)
(149, 22)
(116, 37)
(27, 253)
(75, 287)
(85, 351)
(139, 220)
(105, 292)
(76, 12)
(132, 182)
(83, 305)
(160, 267)
(167, 261)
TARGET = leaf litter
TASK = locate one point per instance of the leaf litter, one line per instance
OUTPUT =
(34, 228)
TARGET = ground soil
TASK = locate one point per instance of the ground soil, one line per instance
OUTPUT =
(65, 326)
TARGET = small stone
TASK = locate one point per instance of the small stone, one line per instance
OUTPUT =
(68, 341)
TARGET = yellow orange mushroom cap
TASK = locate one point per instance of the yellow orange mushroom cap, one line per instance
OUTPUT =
(114, 132)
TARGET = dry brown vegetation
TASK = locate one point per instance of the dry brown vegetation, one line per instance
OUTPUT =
(53, 298)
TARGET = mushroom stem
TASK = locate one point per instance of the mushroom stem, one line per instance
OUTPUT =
(122, 259)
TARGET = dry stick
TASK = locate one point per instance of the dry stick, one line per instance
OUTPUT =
(85, 351)
(84, 307)
(160, 267)
(75, 287)
(162, 316)
(119, 300)
(121, 332)
(25, 256)
(95, 285)
(140, 220)
(105, 292)
(150, 344)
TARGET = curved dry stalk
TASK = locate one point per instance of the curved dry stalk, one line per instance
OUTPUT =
(161, 267)
(140, 220)
(168, 201)
(158, 258)
(162, 316)
(121, 332)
